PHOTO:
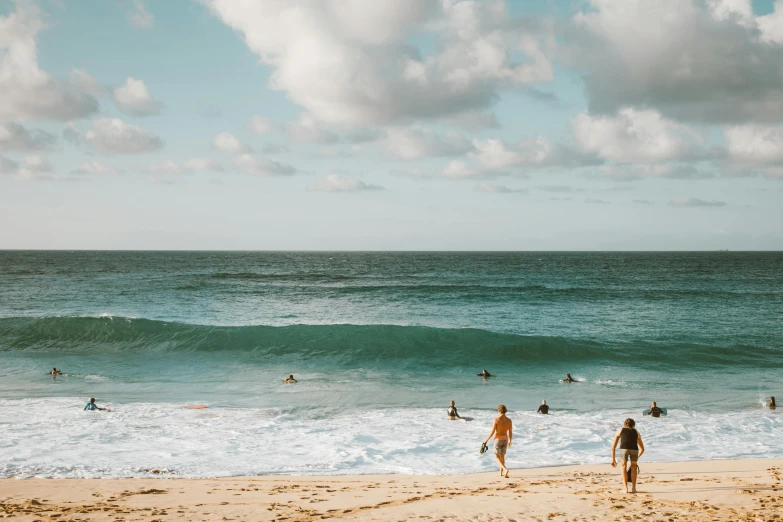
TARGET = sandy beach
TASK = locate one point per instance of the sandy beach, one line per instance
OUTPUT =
(713, 490)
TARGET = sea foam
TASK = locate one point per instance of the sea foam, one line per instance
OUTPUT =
(54, 437)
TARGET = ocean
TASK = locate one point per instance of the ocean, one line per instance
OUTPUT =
(380, 342)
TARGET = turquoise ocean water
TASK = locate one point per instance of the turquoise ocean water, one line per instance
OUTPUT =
(380, 343)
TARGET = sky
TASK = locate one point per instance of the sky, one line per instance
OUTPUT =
(391, 124)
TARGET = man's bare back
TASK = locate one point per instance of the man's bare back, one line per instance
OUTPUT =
(502, 426)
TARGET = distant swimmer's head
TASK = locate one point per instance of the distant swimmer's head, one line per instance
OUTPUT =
(290, 376)
(629, 423)
(92, 399)
(654, 405)
(502, 409)
(543, 402)
(452, 403)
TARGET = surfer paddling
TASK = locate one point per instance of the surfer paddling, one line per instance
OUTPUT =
(569, 379)
(502, 430)
(55, 372)
(289, 379)
(484, 373)
(91, 406)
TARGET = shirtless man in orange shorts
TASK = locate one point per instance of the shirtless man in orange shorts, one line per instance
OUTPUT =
(502, 431)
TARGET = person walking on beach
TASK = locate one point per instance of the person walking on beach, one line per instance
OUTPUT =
(631, 447)
(91, 406)
(771, 404)
(502, 430)
(452, 412)
(543, 408)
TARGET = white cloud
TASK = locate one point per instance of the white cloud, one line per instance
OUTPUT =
(203, 164)
(307, 130)
(134, 98)
(140, 17)
(28, 93)
(695, 202)
(37, 164)
(409, 144)
(755, 144)
(690, 60)
(86, 83)
(560, 189)
(166, 167)
(635, 136)
(114, 136)
(350, 62)
(594, 201)
(173, 168)
(498, 189)
(14, 136)
(457, 169)
(335, 183)
(771, 25)
(260, 125)
(96, 167)
(228, 143)
(250, 164)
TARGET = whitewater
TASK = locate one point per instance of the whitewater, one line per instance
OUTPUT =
(380, 343)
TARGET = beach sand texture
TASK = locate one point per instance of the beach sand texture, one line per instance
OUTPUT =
(722, 490)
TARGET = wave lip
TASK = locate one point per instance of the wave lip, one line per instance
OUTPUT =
(351, 344)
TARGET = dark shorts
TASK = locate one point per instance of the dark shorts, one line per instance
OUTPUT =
(500, 447)
(626, 454)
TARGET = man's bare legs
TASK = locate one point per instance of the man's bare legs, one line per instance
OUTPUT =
(633, 477)
(502, 462)
(625, 478)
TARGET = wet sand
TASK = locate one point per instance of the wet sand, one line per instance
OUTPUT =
(729, 490)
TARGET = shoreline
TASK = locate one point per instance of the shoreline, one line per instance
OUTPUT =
(727, 489)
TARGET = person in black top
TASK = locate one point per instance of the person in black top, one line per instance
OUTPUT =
(655, 411)
(631, 447)
(771, 404)
(543, 408)
(569, 379)
(452, 412)
(484, 374)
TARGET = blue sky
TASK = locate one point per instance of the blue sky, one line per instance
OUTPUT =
(391, 124)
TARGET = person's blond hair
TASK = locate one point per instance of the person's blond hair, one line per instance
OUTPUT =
(502, 409)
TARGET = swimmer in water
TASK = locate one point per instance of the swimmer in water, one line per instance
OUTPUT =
(55, 372)
(289, 379)
(452, 412)
(502, 430)
(569, 379)
(771, 404)
(655, 411)
(543, 408)
(484, 374)
(91, 406)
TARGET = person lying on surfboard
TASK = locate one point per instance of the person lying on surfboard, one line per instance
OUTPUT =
(289, 379)
(569, 379)
(91, 406)
(484, 373)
